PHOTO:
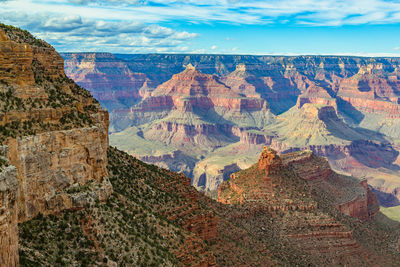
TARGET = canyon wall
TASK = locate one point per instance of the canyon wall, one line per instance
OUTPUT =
(54, 137)
(50, 163)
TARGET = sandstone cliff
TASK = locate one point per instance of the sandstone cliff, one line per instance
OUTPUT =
(55, 136)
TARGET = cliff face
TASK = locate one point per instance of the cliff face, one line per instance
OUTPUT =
(279, 80)
(51, 162)
(18, 53)
(55, 135)
(110, 79)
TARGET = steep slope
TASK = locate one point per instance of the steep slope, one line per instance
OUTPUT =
(147, 220)
(155, 217)
(305, 192)
(53, 134)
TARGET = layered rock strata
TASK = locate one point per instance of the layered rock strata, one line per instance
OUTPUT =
(50, 163)
(55, 136)
(297, 190)
(347, 194)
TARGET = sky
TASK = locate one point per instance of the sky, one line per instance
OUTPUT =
(270, 27)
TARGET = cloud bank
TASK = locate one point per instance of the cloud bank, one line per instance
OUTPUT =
(130, 26)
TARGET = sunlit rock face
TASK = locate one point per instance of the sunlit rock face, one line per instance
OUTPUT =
(54, 138)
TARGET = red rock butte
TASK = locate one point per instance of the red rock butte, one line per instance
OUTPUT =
(269, 161)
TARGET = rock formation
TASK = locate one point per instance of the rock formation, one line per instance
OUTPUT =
(298, 186)
(55, 138)
(269, 161)
(204, 106)
(348, 195)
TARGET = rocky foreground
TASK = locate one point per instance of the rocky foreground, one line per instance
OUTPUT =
(273, 217)
(54, 138)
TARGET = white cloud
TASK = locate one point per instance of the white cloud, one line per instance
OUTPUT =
(214, 47)
(308, 12)
(76, 33)
(139, 25)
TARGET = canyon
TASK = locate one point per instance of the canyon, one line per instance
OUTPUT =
(68, 198)
(210, 115)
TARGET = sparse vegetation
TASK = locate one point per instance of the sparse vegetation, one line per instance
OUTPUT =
(22, 36)
(3, 162)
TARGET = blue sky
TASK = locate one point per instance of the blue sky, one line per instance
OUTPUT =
(279, 27)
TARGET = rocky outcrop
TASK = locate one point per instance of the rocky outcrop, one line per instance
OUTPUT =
(300, 192)
(316, 95)
(17, 58)
(55, 136)
(350, 196)
(49, 163)
(347, 194)
(269, 161)
(307, 167)
(252, 137)
(361, 207)
(191, 87)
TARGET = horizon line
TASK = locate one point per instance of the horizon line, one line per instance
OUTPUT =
(255, 55)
